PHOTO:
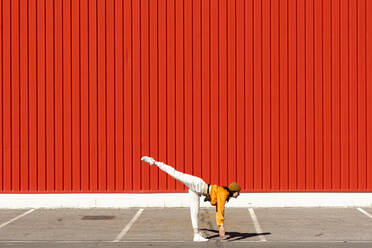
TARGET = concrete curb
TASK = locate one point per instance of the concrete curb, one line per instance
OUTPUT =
(125, 200)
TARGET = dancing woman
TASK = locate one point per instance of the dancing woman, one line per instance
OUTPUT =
(217, 195)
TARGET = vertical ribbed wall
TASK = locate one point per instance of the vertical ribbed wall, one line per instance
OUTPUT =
(275, 94)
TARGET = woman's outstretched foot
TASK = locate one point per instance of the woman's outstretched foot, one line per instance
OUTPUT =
(149, 160)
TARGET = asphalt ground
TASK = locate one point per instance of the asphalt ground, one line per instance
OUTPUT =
(171, 227)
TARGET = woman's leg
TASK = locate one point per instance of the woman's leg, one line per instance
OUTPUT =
(194, 209)
(196, 188)
(194, 183)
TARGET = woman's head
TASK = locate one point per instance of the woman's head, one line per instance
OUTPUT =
(235, 189)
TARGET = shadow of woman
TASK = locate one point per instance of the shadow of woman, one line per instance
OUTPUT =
(233, 236)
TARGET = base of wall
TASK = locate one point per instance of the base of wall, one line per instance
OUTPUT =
(19, 201)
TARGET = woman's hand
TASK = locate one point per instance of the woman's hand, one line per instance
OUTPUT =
(222, 231)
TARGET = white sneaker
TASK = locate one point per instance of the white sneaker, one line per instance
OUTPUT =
(149, 160)
(199, 238)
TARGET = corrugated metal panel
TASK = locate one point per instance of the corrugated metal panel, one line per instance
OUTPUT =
(274, 94)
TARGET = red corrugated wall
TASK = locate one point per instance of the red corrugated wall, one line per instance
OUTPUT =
(274, 94)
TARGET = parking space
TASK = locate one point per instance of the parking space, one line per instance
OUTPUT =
(171, 227)
(68, 224)
(315, 224)
(174, 224)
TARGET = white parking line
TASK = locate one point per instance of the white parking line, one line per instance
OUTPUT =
(128, 226)
(365, 212)
(16, 218)
(256, 224)
(186, 241)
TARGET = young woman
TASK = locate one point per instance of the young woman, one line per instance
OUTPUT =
(217, 195)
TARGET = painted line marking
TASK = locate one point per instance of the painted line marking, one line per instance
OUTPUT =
(184, 241)
(256, 224)
(16, 218)
(128, 226)
(365, 212)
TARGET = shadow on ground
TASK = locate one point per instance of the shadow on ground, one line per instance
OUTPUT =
(233, 235)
